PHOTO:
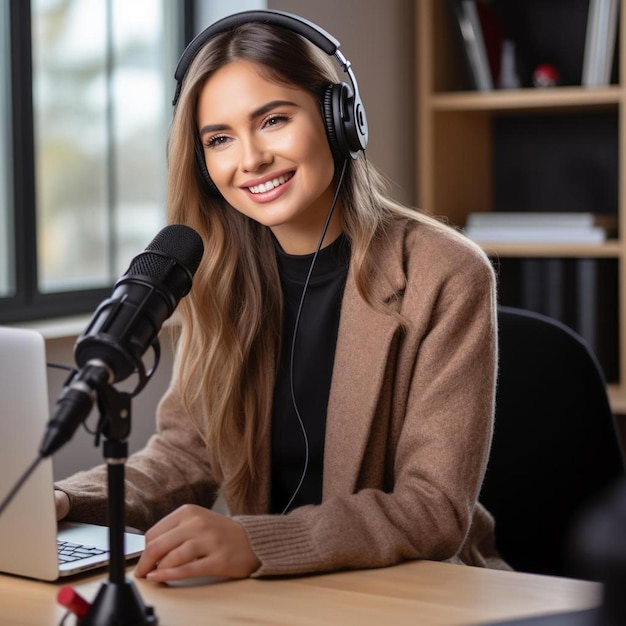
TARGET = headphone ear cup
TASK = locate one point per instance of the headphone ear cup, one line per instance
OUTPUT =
(329, 122)
(202, 173)
(344, 117)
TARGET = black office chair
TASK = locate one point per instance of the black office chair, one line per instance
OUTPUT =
(555, 445)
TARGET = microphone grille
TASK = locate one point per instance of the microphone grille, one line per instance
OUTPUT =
(176, 241)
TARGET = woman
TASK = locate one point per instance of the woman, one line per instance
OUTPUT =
(346, 416)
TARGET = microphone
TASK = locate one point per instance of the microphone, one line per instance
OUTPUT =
(124, 326)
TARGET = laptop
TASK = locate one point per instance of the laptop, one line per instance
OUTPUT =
(29, 533)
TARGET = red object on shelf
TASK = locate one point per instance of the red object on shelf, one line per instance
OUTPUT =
(545, 75)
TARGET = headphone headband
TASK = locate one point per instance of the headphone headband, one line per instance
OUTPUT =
(316, 35)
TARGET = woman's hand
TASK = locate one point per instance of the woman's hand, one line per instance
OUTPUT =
(196, 542)
(62, 503)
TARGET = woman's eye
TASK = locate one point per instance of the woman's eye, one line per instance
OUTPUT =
(276, 120)
(217, 141)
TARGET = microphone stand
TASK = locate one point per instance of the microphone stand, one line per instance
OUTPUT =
(118, 602)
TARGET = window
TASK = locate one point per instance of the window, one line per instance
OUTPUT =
(82, 183)
(86, 91)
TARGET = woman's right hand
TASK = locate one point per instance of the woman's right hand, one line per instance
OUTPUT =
(62, 503)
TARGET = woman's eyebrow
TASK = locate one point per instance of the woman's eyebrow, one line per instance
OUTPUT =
(266, 108)
(260, 112)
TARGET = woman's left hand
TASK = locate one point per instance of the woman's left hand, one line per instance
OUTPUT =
(196, 542)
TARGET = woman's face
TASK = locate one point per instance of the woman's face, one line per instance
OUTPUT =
(266, 150)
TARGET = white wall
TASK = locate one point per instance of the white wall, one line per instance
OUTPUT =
(209, 11)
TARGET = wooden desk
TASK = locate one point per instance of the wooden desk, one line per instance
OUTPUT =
(421, 592)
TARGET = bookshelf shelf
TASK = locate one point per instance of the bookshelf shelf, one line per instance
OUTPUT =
(460, 171)
(609, 250)
(525, 99)
(618, 399)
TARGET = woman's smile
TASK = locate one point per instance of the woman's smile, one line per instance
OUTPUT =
(261, 190)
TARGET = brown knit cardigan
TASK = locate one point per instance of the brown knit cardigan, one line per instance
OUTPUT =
(409, 426)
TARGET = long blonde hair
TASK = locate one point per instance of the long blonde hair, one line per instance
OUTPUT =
(232, 319)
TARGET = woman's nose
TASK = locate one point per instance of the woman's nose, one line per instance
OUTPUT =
(255, 154)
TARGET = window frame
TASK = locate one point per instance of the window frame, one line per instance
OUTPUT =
(27, 303)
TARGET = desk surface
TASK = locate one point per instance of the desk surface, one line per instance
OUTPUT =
(421, 592)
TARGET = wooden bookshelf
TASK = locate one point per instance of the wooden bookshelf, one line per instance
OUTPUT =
(455, 149)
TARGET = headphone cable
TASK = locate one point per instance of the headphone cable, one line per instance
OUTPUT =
(295, 333)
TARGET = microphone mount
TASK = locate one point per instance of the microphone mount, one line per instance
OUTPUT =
(118, 602)
(92, 382)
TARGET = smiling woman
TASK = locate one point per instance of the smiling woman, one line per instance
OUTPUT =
(335, 373)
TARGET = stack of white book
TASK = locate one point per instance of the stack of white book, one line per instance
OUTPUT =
(503, 227)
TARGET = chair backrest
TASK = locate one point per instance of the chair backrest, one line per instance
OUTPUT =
(556, 446)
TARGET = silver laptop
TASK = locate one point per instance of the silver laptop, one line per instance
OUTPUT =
(29, 533)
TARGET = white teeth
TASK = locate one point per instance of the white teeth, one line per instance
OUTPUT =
(269, 185)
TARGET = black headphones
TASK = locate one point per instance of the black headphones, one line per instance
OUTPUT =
(342, 108)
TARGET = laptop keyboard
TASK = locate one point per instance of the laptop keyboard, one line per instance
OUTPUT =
(71, 552)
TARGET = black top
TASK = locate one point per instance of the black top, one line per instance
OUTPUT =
(313, 365)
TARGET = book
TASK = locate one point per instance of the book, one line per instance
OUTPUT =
(539, 218)
(532, 286)
(471, 35)
(564, 222)
(543, 286)
(600, 42)
(555, 287)
(587, 301)
(493, 34)
(581, 292)
(536, 234)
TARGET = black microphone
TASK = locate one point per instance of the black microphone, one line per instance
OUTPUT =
(124, 326)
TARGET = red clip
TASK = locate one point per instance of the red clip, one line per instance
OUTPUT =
(73, 601)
